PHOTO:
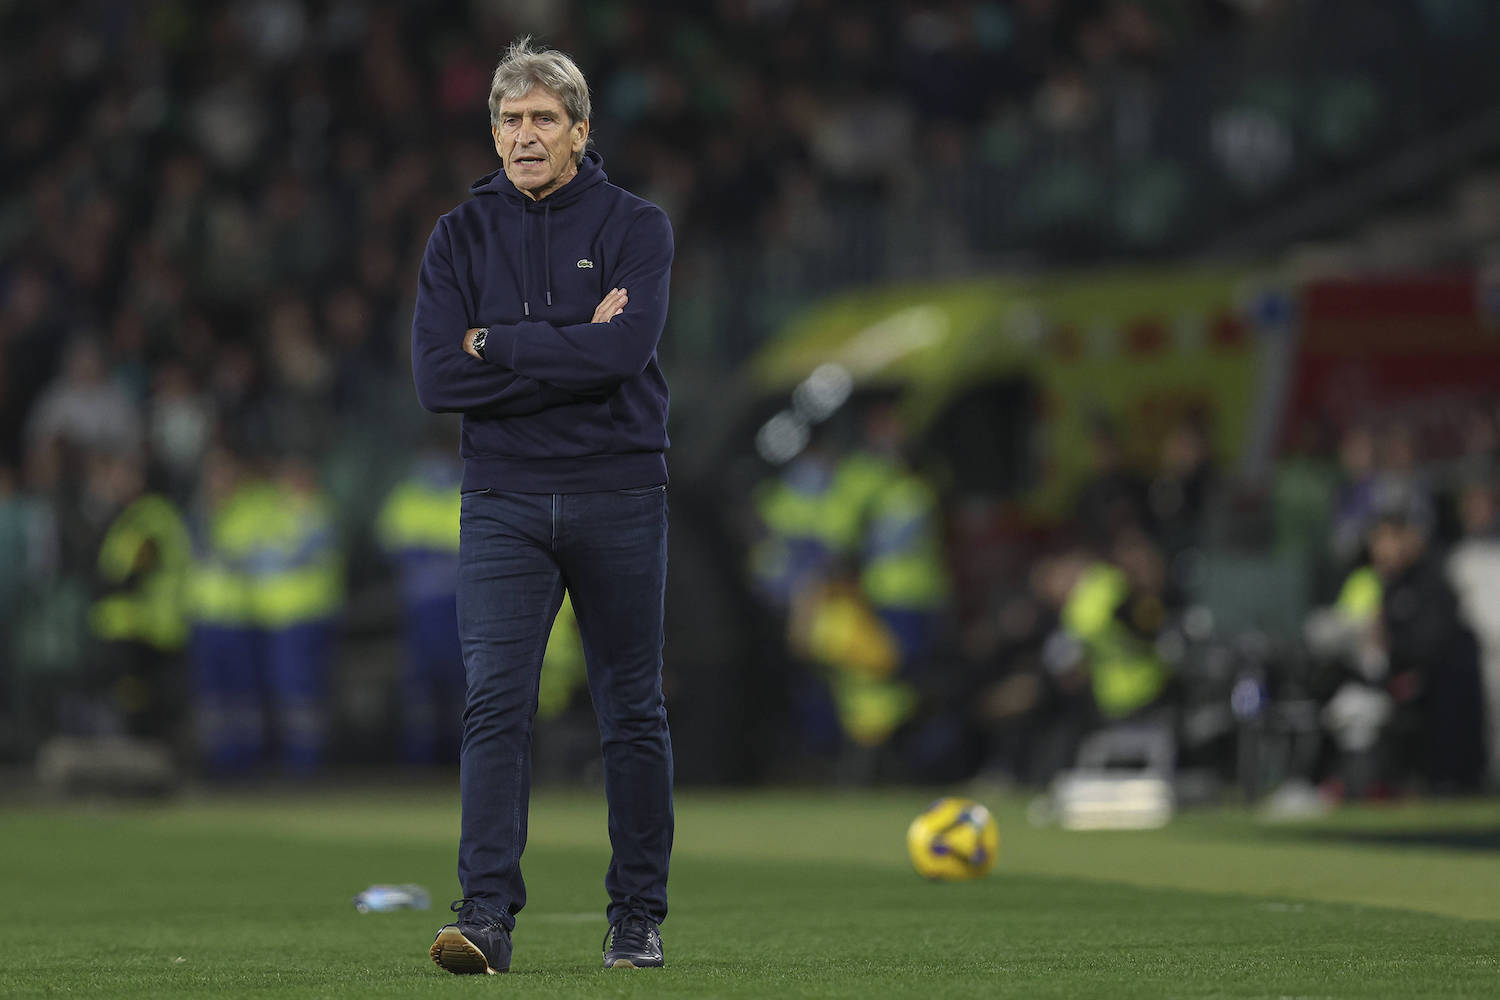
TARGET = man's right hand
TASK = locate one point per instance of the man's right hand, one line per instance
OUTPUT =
(610, 306)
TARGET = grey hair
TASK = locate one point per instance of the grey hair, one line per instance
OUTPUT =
(525, 66)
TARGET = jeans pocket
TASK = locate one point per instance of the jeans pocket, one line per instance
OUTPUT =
(644, 491)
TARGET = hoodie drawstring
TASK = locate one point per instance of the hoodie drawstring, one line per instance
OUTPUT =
(546, 256)
(525, 305)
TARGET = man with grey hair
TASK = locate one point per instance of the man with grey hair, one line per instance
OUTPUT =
(539, 306)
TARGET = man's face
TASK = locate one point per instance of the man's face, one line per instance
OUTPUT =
(1393, 547)
(538, 143)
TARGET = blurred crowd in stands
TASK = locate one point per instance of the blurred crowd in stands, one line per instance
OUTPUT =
(210, 222)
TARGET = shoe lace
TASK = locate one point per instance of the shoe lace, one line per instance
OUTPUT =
(632, 934)
(472, 910)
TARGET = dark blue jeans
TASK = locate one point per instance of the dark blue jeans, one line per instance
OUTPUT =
(517, 553)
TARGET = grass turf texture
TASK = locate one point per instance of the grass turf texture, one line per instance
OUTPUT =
(772, 895)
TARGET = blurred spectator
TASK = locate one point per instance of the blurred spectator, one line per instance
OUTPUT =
(418, 529)
(297, 593)
(1432, 658)
(1379, 466)
(899, 535)
(1400, 466)
(267, 588)
(887, 518)
(1117, 611)
(84, 408)
(1474, 571)
(179, 426)
(1408, 705)
(1112, 498)
(300, 376)
(1178, 495)
(31, 339)
(228, 712)
(1034, 706)
(139, 615)
(793, 544)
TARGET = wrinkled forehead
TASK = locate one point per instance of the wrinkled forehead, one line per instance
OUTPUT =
(535, 101)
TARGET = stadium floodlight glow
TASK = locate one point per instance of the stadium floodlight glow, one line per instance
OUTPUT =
(819, 395)
(782, 438)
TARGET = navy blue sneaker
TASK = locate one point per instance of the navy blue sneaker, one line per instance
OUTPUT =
(475, 943)
(633, 943)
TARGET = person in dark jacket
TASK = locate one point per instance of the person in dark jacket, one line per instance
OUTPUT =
(1431, 654)
(539, 306)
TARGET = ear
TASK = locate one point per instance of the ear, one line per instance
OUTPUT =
(580, 136)
(495, 134)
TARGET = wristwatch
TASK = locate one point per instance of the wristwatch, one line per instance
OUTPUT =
(480, 336)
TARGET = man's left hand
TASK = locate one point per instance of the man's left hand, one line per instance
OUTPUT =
(469, 342)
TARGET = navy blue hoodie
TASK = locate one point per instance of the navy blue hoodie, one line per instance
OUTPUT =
(560, 404)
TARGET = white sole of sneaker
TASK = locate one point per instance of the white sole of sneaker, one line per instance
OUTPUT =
(457, 954)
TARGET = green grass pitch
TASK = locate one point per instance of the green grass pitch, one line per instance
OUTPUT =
(773, 895)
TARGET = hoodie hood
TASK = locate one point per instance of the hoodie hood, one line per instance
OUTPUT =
(590, 175)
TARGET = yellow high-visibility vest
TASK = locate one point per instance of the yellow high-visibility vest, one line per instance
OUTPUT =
(1124, 672)
(904, 565)
(419, 515)
(1360, 596)
(220, 593)
(149, 542)
(296, 569)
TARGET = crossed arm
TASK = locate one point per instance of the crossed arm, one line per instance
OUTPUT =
(451, 381)
(608, 308)
(616, 345)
